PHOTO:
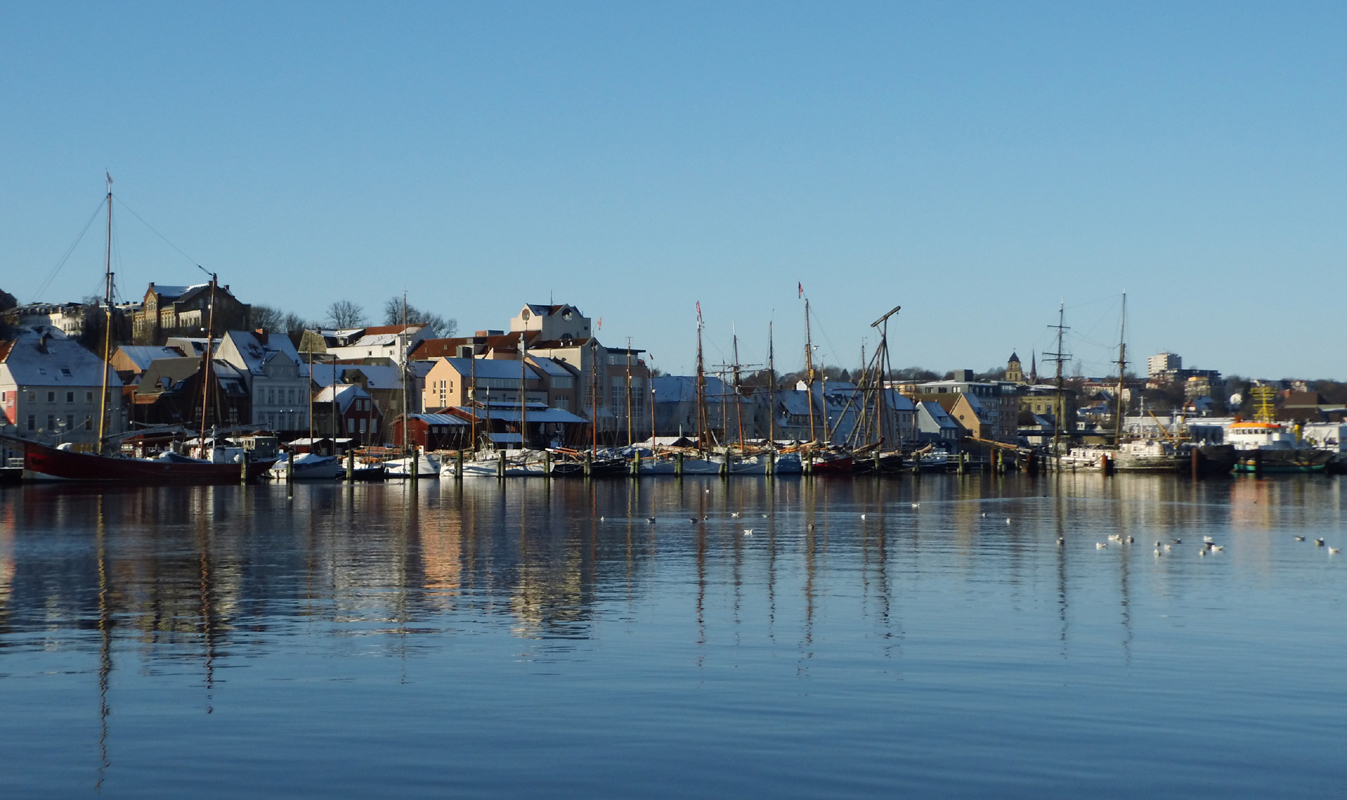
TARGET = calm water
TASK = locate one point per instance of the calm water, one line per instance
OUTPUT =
(544, 639)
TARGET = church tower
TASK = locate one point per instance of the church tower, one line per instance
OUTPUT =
(1014, 370)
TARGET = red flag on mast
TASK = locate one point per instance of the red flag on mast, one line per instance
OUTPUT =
(801, 287)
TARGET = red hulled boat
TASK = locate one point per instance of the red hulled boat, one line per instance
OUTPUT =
(41, 462)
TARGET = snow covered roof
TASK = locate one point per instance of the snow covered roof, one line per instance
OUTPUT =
(512, 415)
(683, 388)
(36, 360)
(439, 419)
(174, 292)
(490, 368)
(345, 394)
(550, 367)
(141, 356)
(256, 349)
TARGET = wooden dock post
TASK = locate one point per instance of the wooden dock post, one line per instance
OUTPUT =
(350, 466)
(243, 470)
(458, 464)
(678, 464)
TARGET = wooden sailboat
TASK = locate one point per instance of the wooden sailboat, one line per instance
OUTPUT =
(42, 462)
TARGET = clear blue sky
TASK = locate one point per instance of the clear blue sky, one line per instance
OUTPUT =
(975, 163)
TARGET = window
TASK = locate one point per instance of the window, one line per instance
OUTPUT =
(51, 397)
(88, 423)
(32, 422)
(70, 422)
(51, 422)
(363, 423)
(350, 426)
(70, 397)
(88, 397)
(271, 397)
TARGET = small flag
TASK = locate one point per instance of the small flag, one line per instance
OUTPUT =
(801, 288)
(600, 323)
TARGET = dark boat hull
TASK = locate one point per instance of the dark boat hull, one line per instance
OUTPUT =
(41, 462)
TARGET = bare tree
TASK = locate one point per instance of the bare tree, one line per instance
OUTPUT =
(393, 316)
(346, 314)
(267, 318)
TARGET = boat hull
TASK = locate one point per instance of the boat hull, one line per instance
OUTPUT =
(41, 462)
(1273, 462)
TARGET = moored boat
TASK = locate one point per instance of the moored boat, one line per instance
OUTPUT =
(41, 462)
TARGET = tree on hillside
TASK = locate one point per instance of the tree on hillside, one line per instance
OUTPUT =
(393, 315)
(346, 314)
(273, 320)
(7, 300)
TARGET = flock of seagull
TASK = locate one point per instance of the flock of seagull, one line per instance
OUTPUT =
(1208, 543)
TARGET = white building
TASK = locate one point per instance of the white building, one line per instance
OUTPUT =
(1161, 364)
(277, 378)
(51, 390)
(385, 341)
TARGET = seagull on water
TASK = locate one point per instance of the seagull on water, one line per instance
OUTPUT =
(693, 520)
(1332, 551)
(1114, 537)
(984, 514)
(1318, 542)
(1100, 546)
(1060, 541)
(1208, 539)
(918, 505)
(1176, 541)
(1130, 540)
(862, 516)
(1216, 548)
(651, 520)
(1007, 520)
(748, 531)
(734, 514)
(811, 526)
(1300, 538)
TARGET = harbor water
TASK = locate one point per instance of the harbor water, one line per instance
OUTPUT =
(793, 637)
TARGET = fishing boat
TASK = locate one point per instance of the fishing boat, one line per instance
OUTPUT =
(1268, 447)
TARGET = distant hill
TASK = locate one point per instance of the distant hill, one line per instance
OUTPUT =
(7, 300)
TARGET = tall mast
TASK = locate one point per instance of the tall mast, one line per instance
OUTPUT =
(309, 387)
(1059, 356)
(630, 440)
(701, 386)
(650, 378)
(809, 368)
(771, 388)
(1122, 365)
(882, 370)
(107, 322)
(472, 390)
(523, 383)
(594, 396)
(205, 371)
(738, 399)
(406, 423)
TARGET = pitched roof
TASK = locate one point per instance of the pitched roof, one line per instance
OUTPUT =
(35, 360)
(174, 292)
(428, 349)
(346, 393)
(490, 368)
(141, 355)
(258, 349)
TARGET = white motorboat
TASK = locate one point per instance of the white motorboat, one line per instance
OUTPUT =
(309, 467)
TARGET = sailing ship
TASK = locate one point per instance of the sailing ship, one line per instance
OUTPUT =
(43, 462)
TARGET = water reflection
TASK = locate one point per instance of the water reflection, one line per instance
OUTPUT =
(196, 580)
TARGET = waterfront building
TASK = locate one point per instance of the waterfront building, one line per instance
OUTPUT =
(391, 342)
(276, 378)
(51, 389)
(357, 415)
